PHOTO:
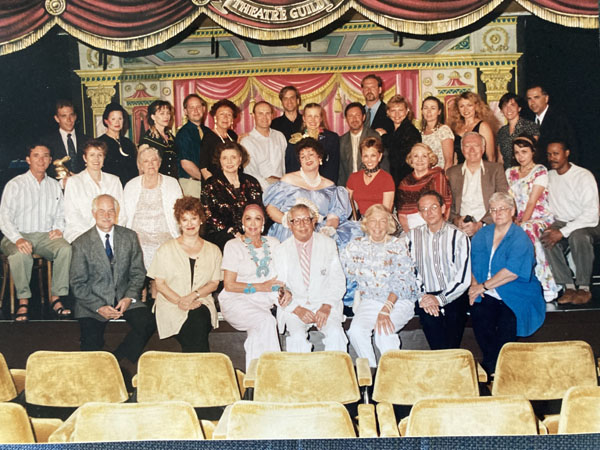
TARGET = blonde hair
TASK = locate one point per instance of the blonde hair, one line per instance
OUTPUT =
(433, 159)
(378, 208)
(482, 111)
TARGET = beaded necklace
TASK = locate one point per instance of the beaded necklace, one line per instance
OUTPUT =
(262, 265)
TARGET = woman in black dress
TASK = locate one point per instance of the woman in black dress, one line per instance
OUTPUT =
(160, 137)
(224, 113)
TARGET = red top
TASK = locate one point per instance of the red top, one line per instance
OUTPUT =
(411, 187)
(369, 194)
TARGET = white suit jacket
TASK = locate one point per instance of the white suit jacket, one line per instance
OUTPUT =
(327, 280)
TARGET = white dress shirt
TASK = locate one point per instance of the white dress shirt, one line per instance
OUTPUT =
(472, 195)
(267, 155)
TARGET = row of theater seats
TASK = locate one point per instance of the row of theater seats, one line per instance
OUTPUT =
(291, 395)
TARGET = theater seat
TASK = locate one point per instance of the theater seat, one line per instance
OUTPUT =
(8, 390)
(111, 422)
(15, 427)
(580, 411)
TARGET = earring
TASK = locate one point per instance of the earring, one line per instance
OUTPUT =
(243, 228)
(262, 229)
(320, 162)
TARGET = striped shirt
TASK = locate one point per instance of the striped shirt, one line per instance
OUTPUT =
(442, 260)
(29, 206)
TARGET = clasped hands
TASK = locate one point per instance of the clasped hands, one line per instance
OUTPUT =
(116, 312)
(319, 318)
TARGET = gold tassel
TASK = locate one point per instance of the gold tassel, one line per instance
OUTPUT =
(25, 41)
(567, 20)
(337, 103)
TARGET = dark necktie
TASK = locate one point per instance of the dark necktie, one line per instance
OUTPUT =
(71, 149)
(108, 248)
(368, 117)
(537, 121)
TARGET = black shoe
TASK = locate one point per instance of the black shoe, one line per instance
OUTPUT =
(22, 317)
(61, 312)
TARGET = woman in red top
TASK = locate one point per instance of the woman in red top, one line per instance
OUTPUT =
(371, 184)
(424, 177)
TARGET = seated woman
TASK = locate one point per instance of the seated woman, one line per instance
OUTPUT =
(159, 136)
(224, 113)
(187, 270)
(505, 296)
(371, 185)
(510, 105)
(227, 192)
(120, 154)
(250, 287)
(434, 133)
(424, 177)
(332, 202)
(528, 185)
(148, 204)
(314, 126)
(84, 187)
(381, 266)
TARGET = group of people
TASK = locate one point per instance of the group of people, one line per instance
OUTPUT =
(382, 222)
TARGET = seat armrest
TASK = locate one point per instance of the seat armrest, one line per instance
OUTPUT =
(134, 380)
(550, 422)
(367, 426)
(250, 377)
(18, 376)
(208, 428)
(363, 372)
(388, 427)
(220, 431)
(481, 374)
(241, 376)
(43, 428)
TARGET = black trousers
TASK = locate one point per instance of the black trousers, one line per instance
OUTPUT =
(193, 336)
(446, 330)
(142, 324)
(494, 324)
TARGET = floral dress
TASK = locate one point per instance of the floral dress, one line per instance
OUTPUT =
(541, 218)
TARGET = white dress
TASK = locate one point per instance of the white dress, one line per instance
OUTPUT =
(434, 140)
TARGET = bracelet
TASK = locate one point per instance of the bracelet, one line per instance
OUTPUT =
(390, 304)
(250, 289)
(275, 288)
(384, 313)
(197, 294)
(483, 284)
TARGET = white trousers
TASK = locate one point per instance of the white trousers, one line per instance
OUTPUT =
(252, 313)
(363, 325)
(297, 341)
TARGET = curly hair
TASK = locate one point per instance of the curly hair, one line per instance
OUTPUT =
(311, 143)
(227, 104)
(482, 111)
(378, 208)
(230, 146)
(433, 159)
(371, 142)
(188, 204)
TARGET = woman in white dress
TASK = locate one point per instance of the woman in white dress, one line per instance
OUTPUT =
(250, 286)
(434, 133)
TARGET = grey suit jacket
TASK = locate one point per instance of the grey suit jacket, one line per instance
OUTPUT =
(94, 283)
(492, 180)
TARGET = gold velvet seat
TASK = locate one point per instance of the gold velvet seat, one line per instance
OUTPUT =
(111, 422)
(544, 371)
(8, 390)
(265, 420)
(406, 376)
(15, 427)
(580, 411)
(472, 416)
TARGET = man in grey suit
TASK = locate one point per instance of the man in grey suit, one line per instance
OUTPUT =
(350, 160)
(472, 184)
(107, 276)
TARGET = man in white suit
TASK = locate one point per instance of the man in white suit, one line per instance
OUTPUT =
(309, 265)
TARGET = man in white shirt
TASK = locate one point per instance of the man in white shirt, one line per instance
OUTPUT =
(32, 221)
(266, 147)
(309, 265)
(573, 197)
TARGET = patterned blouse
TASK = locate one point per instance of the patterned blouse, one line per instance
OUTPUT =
(504, 138)
(410, 189)
(168, 152)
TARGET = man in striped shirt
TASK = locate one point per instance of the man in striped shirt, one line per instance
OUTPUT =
(442, 256)
(32, 219)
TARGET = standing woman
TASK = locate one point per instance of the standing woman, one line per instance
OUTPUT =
(250, 286)
(528, 185)
(227, 192)
(510, 105)
(434, 133)
(187, 270)
(315, 127)
(224, 113)
(467, 113)
(402, 139)
(120, 158)
(159, 136)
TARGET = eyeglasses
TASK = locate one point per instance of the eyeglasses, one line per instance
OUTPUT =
(301, 220)
(499, 210)
(432, 208)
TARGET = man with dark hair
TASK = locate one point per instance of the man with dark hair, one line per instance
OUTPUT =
(441, 254)
(554, 124)
(188, 143)
(66, 141)
(375, 108)
(573, 198)
(350, 158)
(32, 220)
(290, 121)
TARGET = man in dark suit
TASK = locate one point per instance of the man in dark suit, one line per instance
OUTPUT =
(66, 140)
(554, 124)
(472, 184)
(107, 276)
(375, 109)
(350, 158)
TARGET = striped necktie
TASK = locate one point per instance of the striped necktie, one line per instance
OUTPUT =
(305, 264)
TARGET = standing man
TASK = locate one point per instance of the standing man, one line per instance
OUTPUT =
(573, 197)
(265, 146)
(375, 109)
(350, 158)
(442, 257)
(66, 141)
(32, 220)
(188, 143)
(309, 265)
(554, 124)
(107, 276)
(290, 121)
(472, 184)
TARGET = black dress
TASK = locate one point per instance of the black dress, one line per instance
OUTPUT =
(209, 144)
(399, 143)
(331, 162)
(121, 158)
(167, 149)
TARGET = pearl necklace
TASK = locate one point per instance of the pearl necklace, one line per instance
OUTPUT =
(313, 184)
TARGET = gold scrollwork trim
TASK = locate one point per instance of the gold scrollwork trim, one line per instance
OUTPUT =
(55, 7)
(567, 20)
